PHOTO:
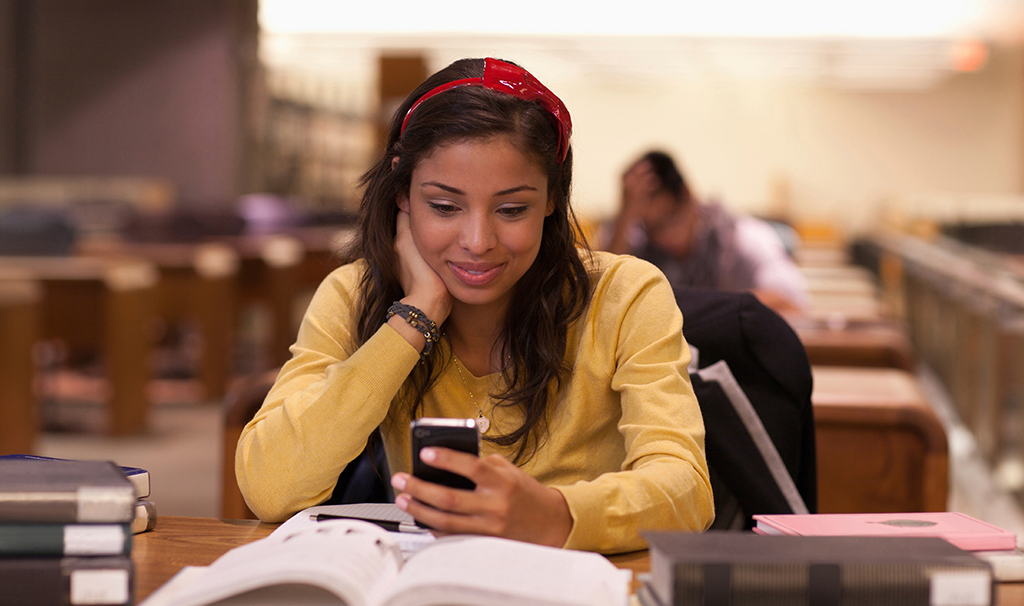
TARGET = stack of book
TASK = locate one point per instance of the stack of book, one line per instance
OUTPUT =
(995, 545)
(145, 509)
(728, 568)
(65, 532)
(919, 558)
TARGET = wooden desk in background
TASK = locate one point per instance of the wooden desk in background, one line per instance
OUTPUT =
(104, 305)
(20, 312)
(879, 343)
(881, 447)
(198, 284)
(277, 272)
(178, 542)
(846, 307)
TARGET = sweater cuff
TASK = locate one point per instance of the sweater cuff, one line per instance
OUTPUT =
(587, 514)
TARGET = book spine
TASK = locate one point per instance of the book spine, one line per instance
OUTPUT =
(38, 507)
(64, 539)
(68, 581)
(145, 516)
(830, 584)
(139, 479)
(86, 505)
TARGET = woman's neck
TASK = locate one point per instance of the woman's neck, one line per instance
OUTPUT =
(473, 331)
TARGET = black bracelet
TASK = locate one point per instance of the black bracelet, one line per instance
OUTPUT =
(418, 320)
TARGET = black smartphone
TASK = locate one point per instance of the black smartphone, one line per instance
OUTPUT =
(457, 434)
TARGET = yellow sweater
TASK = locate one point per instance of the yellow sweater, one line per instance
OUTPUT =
(625, 441)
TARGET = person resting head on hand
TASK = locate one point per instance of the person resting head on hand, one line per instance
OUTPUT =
(470, 293)
(699, 243)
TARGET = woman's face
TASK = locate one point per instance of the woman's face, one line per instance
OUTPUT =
(476, 210)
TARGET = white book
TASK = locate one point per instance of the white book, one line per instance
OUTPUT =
(357, 563)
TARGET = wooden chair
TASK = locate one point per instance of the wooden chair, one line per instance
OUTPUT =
(20, 311)
(240, 405)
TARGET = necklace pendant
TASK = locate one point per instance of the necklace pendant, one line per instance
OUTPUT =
(483, 423)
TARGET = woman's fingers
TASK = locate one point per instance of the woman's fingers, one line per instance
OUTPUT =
(422, 286)
(506, 502)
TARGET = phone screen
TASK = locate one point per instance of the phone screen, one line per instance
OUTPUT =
(457, 434)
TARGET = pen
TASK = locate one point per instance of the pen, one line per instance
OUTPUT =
(389, 525)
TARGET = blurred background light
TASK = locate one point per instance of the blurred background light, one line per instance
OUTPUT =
(728, 18)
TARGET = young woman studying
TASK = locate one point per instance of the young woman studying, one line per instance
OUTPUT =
(469, 293)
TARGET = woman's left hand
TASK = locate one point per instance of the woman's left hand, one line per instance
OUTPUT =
(507, 502)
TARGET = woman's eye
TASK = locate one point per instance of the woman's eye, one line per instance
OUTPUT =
(512, 211)
(443, 208)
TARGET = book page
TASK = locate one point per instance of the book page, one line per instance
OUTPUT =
(487, 571)
(408, 542)
(353, 560)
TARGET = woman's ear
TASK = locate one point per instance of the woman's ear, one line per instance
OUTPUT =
(551, 206)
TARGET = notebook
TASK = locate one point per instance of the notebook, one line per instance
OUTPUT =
(958, 528)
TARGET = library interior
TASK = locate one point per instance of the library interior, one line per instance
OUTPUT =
(178, 178)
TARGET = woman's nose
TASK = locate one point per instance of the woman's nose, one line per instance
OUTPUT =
(478, 235)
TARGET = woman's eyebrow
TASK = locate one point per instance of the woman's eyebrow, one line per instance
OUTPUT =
(447, 188)
(455, 190)
(516, 189)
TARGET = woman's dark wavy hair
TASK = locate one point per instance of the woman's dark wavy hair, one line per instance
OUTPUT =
(552, 294)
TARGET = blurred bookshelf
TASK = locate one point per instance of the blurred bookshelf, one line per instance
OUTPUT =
(314, 139)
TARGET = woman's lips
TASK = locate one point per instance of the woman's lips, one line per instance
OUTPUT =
(475, 274)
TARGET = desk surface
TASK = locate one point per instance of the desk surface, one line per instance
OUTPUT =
(178, 542)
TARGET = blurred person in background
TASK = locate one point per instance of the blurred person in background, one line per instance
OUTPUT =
(701, 243)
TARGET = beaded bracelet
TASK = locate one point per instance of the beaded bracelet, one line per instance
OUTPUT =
(418, 320)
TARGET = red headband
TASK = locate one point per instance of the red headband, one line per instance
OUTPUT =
(512, 80)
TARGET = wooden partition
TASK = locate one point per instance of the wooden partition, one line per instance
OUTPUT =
(881, 448)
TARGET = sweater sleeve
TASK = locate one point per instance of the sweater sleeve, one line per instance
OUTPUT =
(635, 328)
(324, 404)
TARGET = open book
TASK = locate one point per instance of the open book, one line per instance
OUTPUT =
(355, 563)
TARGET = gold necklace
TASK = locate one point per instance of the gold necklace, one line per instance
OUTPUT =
(482, 422)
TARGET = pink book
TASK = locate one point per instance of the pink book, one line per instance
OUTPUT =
(959, 529)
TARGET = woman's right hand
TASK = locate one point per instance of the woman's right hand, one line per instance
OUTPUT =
(423, 288)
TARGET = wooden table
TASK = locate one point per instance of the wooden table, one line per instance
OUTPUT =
(198, 283)
(105, 305)
(178, 542)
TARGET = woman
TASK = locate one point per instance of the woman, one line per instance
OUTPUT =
(467, 296)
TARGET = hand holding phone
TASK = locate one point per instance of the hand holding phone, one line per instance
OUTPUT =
(456, 434)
